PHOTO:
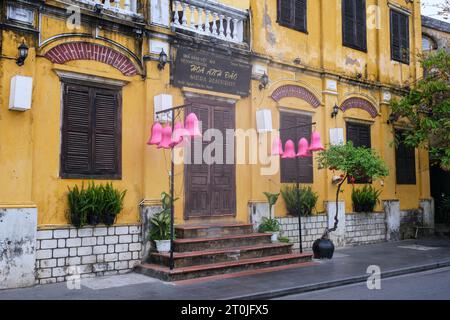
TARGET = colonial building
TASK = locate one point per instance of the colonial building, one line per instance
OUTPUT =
(80, 105)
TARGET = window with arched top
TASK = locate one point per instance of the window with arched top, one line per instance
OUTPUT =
(428, 44)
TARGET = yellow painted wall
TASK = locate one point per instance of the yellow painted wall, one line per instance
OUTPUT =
(30, 141)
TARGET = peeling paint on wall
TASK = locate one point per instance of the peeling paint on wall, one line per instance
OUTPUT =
(267, 26)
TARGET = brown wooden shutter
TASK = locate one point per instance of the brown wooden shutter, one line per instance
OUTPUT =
(285, 12)
(399, 37)
(405, 162)
(76, 136)
(106, 136)
(289, 166)
(359, 135)
(354, 24)
(91, 133)
(300, 15)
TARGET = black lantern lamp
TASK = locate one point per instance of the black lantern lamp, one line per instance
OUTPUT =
(98, 8)
(335, 111)
(162, 60)
(264, 81)
(392, 118)
(23, 54)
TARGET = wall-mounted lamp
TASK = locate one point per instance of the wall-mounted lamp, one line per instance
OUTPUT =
(392, 118)
(162, 60)
(335, 111)
(23, 54)
(98, 8)
(264, 81)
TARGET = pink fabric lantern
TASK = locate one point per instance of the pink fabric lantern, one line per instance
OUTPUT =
(166, 141)
(178, 134)
(277, 147)
(316, 142)
(289, 150)
(303, 151)
(156, 135)
(192, 126)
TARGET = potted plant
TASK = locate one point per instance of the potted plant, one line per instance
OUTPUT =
(272, 200)
(112, 203)
(351, 162)
(93, 202)
(365, 199)
(305, 202)
(270, 225)
(160, 225)
(77, 206)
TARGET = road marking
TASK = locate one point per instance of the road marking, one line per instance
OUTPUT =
(418, 247)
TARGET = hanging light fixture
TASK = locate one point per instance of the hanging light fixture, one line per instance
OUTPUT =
(156, 134)
(303, 149)
(264, 81)
(178, 134)
(166, 141)
(192, 126)
(289, 150)
(335, 111)
(316, 142)
(277, 147)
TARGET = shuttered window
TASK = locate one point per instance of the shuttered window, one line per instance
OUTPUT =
(91, 133)
(289, 166)
(354, 24)
(405, 161)
(292, 14)
(399, 37)
(359, 135)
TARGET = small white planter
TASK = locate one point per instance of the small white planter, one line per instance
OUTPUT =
(275, 236)
(163, 246)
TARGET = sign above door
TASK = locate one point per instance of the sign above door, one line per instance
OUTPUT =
(213, 72)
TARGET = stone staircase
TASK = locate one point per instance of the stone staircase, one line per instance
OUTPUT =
(213, 249)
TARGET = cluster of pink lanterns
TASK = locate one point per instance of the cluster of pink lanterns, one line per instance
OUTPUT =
(164, 138)
(304, 149)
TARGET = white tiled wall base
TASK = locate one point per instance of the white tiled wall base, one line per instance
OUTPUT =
(365, 228)
(91, 251)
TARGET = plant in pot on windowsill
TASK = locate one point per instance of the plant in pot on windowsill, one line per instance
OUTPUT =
(365, 199)
(112, 203)
(303, 203)
(352, 162)
(270, 225)
(160, 225)
(94, 204)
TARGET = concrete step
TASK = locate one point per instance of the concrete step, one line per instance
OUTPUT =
(186, 259)
(229, 241)
(212, 230)
(184, 273)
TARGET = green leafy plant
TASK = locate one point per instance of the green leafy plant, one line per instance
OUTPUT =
(112, 203)
(425, 109)
(352, 162)
(77, 206)
(284, 239)
(301, 200)
(269, 225)
(365, 199)
(272, 199)
(160, 223)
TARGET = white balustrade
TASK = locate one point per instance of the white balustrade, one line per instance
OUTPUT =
(209, 18)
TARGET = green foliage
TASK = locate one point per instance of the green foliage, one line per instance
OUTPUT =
(272, 199)
(95, 200)
(283, 239)
(426, 109)
(354, 162)
(160, 223)
(269, 225)
(365, 199)
(301, 200)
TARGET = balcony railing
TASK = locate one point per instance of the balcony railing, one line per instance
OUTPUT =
(122, 7)
(209, 18)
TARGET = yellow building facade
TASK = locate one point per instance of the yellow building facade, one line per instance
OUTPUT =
(309, 72)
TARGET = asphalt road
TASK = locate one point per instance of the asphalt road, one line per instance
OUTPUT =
(429, 285)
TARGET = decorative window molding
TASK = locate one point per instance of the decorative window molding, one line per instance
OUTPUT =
(20, 14)
(296, 92)
(358, 103)
(92, 51)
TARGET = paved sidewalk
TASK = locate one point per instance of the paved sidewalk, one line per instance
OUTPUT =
(348, 266)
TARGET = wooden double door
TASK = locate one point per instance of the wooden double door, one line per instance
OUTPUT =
(210, 186)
